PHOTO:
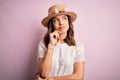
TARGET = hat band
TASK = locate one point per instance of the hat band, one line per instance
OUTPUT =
(58, 11)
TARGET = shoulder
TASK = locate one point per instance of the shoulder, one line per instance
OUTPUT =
(79, 46)
(41, 44)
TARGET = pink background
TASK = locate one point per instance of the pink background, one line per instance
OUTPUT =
(97, 27)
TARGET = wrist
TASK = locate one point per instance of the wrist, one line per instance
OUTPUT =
(50, 45)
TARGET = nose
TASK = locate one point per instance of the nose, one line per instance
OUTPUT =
(61, 22)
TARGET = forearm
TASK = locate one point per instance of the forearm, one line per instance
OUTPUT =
(67, 77)
(45, 66)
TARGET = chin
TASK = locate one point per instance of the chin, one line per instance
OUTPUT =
(64, 31)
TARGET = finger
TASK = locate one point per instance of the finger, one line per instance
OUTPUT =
(58, 31)
(55, 34)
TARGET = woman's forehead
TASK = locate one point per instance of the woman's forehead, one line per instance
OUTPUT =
(60, 16)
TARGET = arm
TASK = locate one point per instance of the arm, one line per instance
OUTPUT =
(77, 74)
(44, 64)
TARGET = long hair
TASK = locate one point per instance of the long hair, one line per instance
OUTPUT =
(70, 33)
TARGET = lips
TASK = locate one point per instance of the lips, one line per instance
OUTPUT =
(61, 27)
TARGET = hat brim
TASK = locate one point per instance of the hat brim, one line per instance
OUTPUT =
(46, 19)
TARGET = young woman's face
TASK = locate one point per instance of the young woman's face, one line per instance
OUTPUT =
(60, 23)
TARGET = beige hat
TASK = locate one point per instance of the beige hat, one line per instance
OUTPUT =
(56, 10)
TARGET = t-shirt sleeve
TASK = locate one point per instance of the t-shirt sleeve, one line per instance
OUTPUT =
(41, 50)
(79, 56)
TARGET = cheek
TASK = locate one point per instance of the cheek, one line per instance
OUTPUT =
(55, 26)
(67, 26)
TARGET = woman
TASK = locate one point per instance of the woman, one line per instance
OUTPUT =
(60, 57)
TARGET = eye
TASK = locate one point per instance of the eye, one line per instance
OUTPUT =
(55, 20)
(65, 18)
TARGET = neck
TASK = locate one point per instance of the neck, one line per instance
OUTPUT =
(62, 36)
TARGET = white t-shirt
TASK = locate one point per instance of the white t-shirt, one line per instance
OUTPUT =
(64, 57)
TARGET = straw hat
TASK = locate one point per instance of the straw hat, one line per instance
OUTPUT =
(56, 10)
